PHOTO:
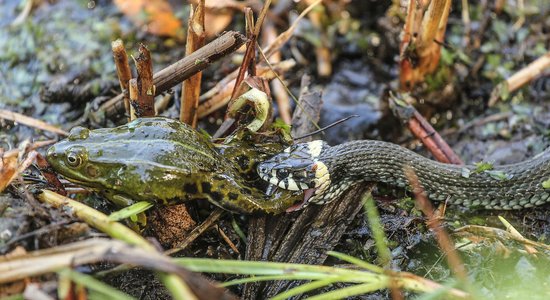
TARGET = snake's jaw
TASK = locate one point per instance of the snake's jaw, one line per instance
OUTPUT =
(270, 190)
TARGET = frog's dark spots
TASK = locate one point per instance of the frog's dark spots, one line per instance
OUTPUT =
(233, 196)
(206, 187)
(190, 188)
(217, 197)
(243, 161)
(246, 190)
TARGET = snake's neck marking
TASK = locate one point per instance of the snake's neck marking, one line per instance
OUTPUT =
(322, 182)
(315, 148)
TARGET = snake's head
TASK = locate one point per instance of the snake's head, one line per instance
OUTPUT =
(298, 169)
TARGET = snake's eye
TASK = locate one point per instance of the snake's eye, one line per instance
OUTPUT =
(282, 173)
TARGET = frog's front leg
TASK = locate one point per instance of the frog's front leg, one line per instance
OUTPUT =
(233, 195)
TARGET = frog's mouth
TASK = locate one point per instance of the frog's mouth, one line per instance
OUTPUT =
(80, 182)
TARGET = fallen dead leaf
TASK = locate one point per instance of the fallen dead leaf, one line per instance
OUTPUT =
(156, 15)
(11, 167)
(8, 168)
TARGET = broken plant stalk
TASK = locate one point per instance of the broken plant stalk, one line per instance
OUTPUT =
(423, 131)
(123, 71)
(174, 74)
(191, 87)
(423, 33)
(145, 86)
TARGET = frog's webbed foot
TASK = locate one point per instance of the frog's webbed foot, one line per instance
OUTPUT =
(119, 200)
(257, 202)
(278, 201)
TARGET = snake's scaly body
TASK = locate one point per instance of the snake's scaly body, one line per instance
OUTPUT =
(329, 171)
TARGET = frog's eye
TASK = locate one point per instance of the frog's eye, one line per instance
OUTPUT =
(75, 157)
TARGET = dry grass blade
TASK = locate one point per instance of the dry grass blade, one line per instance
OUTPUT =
(31, 122)
(497, 234)
(520, 78)
(191, 88)
(285, 36)
(278, 90)
(248, 63)
(435, 224)
(212, 218)
(16, 267)
(84, 252)
(99, 220)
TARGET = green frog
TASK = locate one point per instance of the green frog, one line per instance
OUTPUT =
(165, 161)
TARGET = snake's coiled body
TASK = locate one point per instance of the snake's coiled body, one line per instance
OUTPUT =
(329, 171)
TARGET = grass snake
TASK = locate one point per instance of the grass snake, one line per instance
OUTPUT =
(324, 173)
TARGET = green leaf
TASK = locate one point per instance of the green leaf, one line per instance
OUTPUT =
(482, 166)
(546, 184)
(499, 175)
(504, 90)
(279, 124)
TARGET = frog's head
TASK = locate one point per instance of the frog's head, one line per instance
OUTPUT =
(79, 158)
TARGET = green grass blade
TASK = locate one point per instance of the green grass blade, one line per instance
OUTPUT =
(238, 230)
(130, 211)
(269, 278)
(264, 268)
(306, 287)
(356, 261)
(350, 291)
(378, 234)
(95, 285)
